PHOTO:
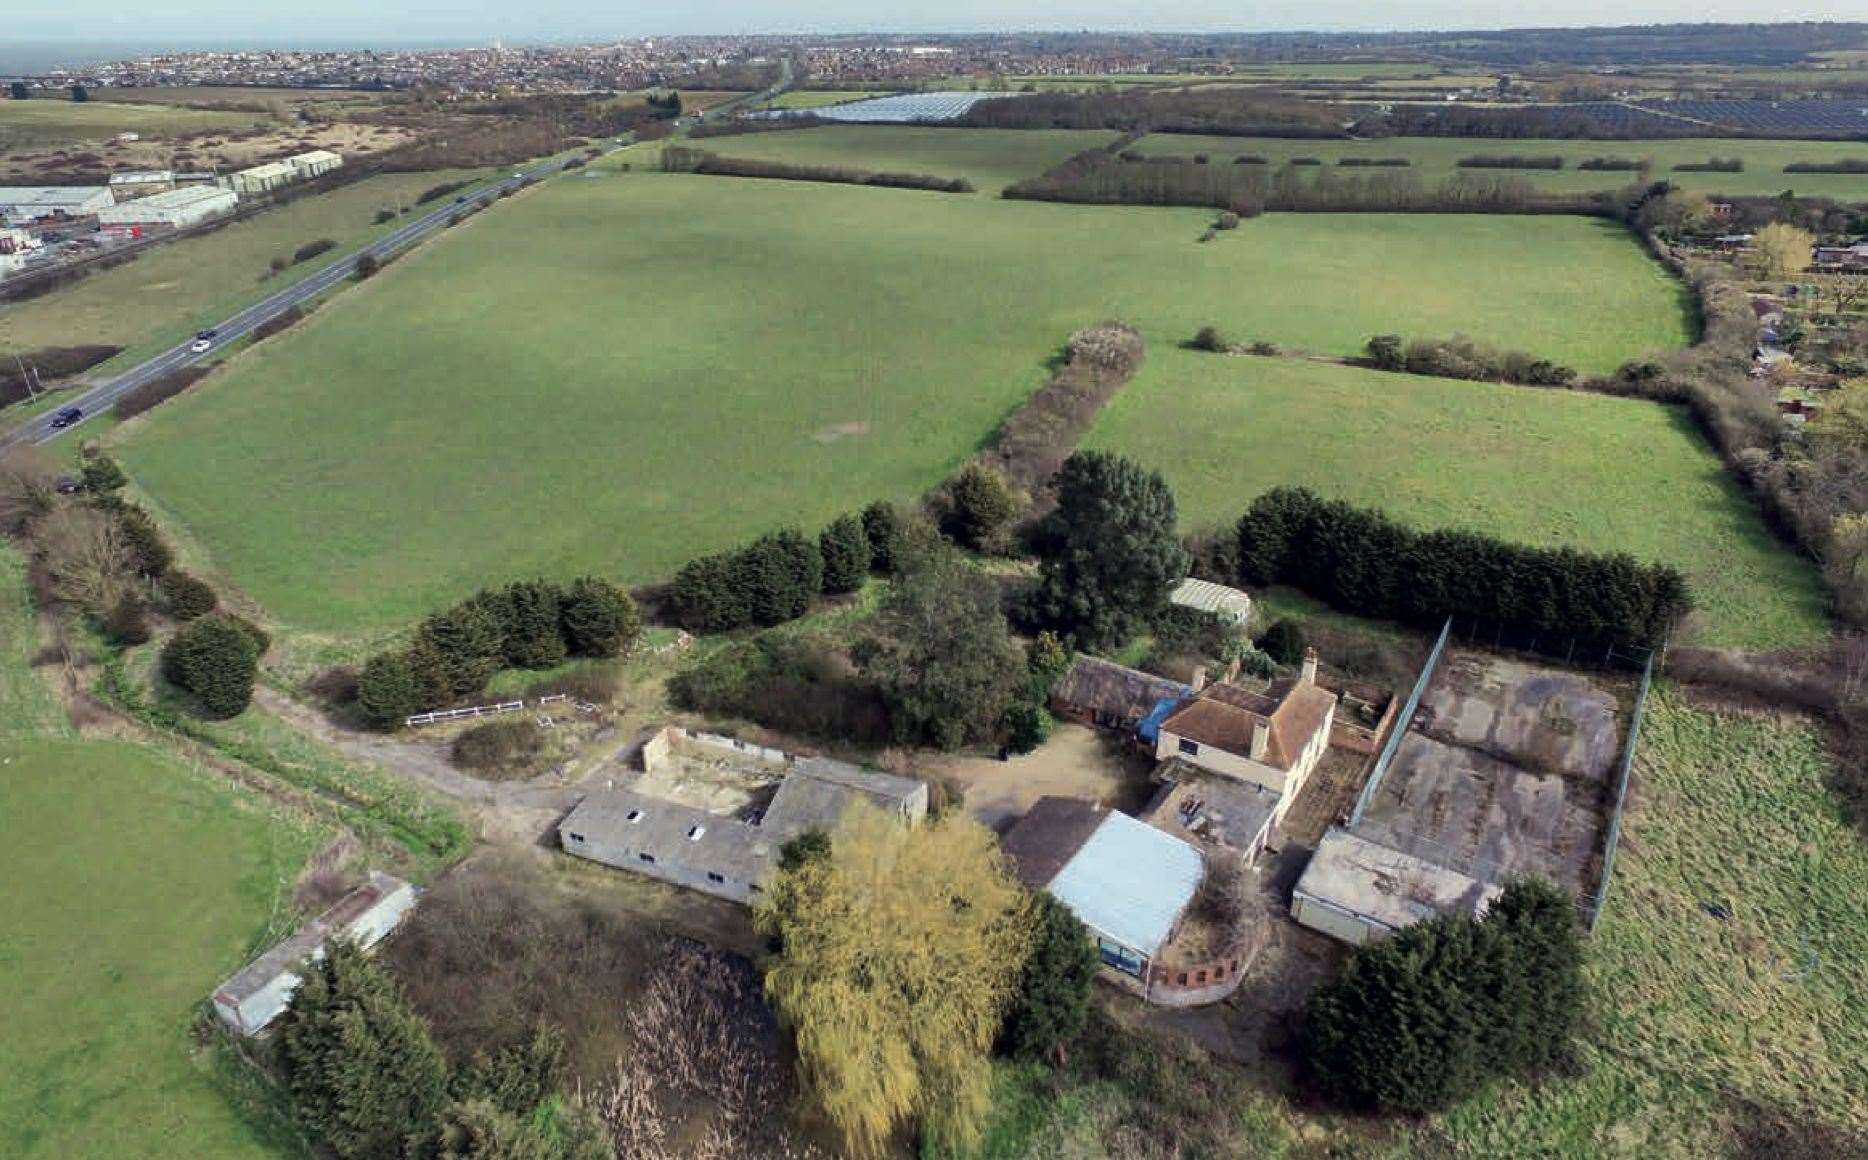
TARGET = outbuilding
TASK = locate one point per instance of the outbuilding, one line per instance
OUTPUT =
(1358, 891)
(1206, 596)
(187, 206)
(20, 204)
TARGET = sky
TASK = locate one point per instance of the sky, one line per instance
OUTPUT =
(274, 22)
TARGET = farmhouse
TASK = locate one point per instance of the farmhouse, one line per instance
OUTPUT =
(695, 818)
(1098, 692)
(257, 995)
(1206, 596)
(1126, 880)
(22, 204)
(1274, 738)
(176, 208)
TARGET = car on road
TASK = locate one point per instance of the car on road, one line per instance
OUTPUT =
(66, 418)
(200, 346)
(209, 333)
(460, 201)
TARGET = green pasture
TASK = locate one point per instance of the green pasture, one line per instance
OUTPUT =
(990, 158)
(1435, 159)
(51, 121)
(620, 374)
(1536, 466)
(172, 290)
(819, 98)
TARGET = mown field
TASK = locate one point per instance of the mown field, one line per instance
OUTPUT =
(1435, 160)
(621, 373)
(134, 885)
(172, 290)
(990, 158)
(52, 121)
(1543, 467)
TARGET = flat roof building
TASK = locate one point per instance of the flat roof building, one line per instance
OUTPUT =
(262, 989)
(31, 203)
(187, 206)
(1358, 891)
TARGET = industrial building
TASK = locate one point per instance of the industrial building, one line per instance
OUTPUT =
(277, 174)
(30, 203)
(138, 183)
(187, 206)
(256, 996)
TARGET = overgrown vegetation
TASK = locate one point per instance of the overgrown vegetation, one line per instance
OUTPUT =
(684, 159)
(31, 372)
(1460, 357)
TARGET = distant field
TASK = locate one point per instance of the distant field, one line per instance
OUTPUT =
(1541, 467)
(624, 372)
(990, 158)
(820, 98)
(47, 121)
(1435, 159)
(174, 289)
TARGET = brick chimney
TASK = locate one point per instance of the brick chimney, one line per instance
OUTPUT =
(1199, 678)
(1309, 676)
(1261, 739)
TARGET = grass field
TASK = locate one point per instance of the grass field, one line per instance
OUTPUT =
(1695, 1014)
(175, 289)
(990, 158)
(622, 373)
(53, 122)
(820, 98)
(1542, 467)
(134, 885)
(1434, 160)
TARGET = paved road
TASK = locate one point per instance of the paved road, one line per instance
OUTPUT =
(98, 399)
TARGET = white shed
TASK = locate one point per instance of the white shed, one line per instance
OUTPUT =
(1217, 599)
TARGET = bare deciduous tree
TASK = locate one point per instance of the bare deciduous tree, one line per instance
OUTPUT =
(28, 479)
(86, 558)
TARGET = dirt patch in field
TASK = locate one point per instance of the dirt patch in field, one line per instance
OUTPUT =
(838, 431)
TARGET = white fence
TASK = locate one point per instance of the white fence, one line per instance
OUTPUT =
(456, 714)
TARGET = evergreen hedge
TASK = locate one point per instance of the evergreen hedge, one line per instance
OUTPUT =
(1361, 561)
(216, 658)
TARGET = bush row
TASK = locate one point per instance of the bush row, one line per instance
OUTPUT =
(681, 159)
(134, 402)
(1460, 357)
(1845, 165)
(1361, 561)
(45, 365)
(776, 577)
(529, 624)
(1510, 161)
(1712, 165)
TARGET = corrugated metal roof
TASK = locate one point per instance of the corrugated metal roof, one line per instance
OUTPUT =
(1210, 597)
(1130, 882)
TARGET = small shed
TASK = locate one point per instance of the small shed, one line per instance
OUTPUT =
(1359, 891)
(1206, 596)
(259, 993)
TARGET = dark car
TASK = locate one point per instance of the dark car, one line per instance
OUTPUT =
(66, 485)
(67, 417)
(460, 201)
(209, 333)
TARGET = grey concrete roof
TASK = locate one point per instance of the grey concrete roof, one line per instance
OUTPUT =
(294, 948)
(1381, 883)
(675, 833)
(1222, 810)
(818, 790)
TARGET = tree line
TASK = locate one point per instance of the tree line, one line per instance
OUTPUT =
(776, 577)
(528, 624)
(1361, 561)
(684, 159)
(1231, 112)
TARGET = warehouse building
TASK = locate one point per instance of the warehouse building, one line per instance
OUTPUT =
(315, 163)
(277, 174)
(138, 183)
(188, 206)
(31, 203)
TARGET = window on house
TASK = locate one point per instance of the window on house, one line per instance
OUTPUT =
(1190, 748)
(695, 831)
(712, 877)
(646, 857)
(634, 815)
(576, 837)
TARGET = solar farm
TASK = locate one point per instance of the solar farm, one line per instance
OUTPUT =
(904, 108)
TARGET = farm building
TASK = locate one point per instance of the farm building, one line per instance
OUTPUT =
(314, 163)
(1358, 891)
(275, 174)
(1206, 596)
(188, 206)
(1097, 692)
(1126, 880)
(256, 996)
(31, 203)
(725, 843)
(1274, 738)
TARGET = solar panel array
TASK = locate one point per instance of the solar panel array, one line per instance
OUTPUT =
(905, 108)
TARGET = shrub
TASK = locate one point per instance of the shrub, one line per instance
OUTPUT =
(529, 613)
(882, 527)
(216, 659)
(1227, 220)
(1026, 725)
(387, 690)
(844, 546)
(1427, 1017)
(148, 550)
(1612, 164)
(102, 475)
(435, 192)
(978, 504)
(186, 596)
(706, 596)
(502, 749)
(385, 215)
(284, 320)
(1210, 339)
(134, 402)
(1265, 349)
(1712, 165)
(1510, 161)
(468, 644)
(1384, 353)
(1052, 1002)
(780, 574)
(367, 266)
(1283, 642)
(600, 620)
(311, 250)
(127, 623)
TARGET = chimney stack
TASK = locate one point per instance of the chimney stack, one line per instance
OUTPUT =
(1199, 678)
(1261, 739)
(1310, 666)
